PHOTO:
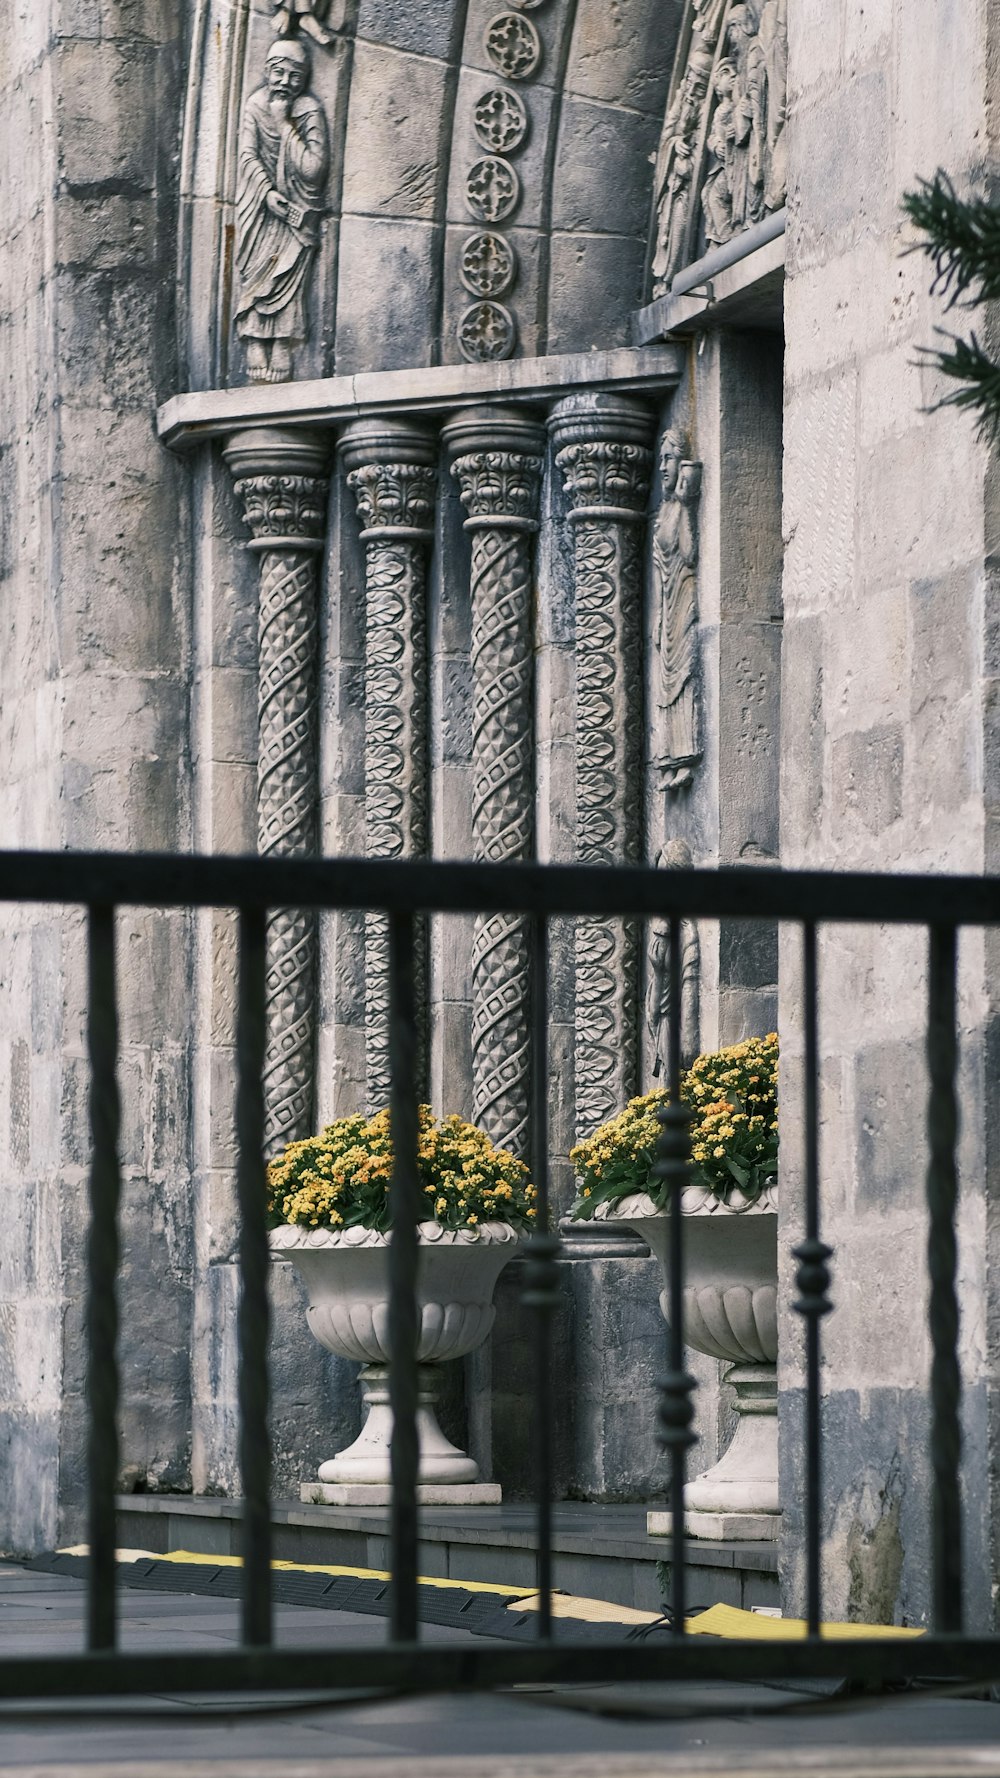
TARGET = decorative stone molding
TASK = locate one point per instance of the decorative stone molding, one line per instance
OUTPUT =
(284, 161)
(603, 450)
(722, 160)
(677, 744)
(675, 855)
(281, 477)
(392, 473)
(497, 461)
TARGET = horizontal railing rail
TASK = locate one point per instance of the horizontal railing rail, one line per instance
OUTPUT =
(457, 887)
(101, 883)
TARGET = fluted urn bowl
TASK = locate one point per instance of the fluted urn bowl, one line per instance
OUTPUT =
(730, 1313)
(346, 1273)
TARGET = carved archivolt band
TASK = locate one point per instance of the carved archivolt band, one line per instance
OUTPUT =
(278, 476)
(392, 475)
(499, 489)
(721, 166)
(606, 471)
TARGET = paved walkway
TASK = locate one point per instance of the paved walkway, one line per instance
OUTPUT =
(585, 1733)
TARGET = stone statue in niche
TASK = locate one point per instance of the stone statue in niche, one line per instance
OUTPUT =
(675, 592)
(676, 855)
(717, 191)
(748, 168)
(283, 165)
(773, 34)
(749, 103)
(675, 168)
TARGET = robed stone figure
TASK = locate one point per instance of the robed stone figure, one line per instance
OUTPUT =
(283, 167)
(677, 747)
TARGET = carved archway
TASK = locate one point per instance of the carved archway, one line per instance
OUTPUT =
(488, 185)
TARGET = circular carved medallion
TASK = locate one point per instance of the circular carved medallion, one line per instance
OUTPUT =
(486, 331)
(500, 120)
(488, 264)
(513, 45)
(492, 189)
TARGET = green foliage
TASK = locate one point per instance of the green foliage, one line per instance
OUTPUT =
(733, 1098)
(963, 242)
(963, 239)
(341, 1178)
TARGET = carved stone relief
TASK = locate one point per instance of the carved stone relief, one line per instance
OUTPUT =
(513, 45)
(284, 160)
(487, 266)
(605, 461)
(675, 855)
(501, 122)
(281, 479)
(492, 189)
(392, 475)
(722, 163)
(496, 459)
(677, 745)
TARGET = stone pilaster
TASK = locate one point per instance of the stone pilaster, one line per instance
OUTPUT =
(392, 473)
(602, 448)
(497, 461)
(281, 477)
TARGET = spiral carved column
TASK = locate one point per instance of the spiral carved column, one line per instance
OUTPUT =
(281, 478)
(497, 461)
(392, 475)
(602, 448)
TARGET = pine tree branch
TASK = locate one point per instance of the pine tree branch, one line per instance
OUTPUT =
(963, 239)
(979, 376)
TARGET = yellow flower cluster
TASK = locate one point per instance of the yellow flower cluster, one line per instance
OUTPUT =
(342, 1177)
(732, 1097)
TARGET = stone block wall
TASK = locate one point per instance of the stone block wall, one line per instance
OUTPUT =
(887, 726)
(93, 724)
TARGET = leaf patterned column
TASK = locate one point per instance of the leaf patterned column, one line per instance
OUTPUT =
(497, 461)
(392, 473)
(603, 450)
(281, 478)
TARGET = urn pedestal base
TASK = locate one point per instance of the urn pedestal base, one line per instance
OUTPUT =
(737, 1499)
(363, 1475)
(373, 1494)
(718, 1527)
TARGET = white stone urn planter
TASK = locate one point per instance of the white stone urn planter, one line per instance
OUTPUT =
(346, 1272)
(730, 1313)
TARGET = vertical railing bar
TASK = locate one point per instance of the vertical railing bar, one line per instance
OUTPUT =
(102, 1276)
(253, 1319)
(814, 1456)
(403, 1261)
(545, 1299)
(942, 1260)
(679, 1452)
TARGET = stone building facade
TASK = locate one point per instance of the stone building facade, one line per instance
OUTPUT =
(489, 431)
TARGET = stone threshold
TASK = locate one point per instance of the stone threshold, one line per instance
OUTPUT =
(439, 389)
(600, 1551)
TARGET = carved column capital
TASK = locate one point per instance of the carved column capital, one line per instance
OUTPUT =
(603, 447)
(392, 473)
(281, 477)
(497, 460)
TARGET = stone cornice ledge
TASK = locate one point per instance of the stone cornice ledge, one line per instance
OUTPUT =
(187, 420)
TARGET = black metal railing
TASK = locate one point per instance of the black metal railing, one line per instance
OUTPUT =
(406, 890)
